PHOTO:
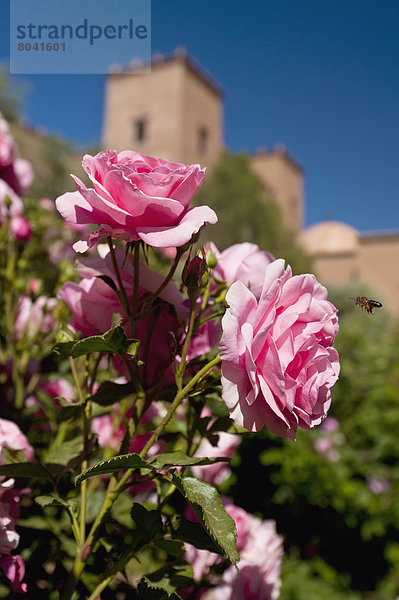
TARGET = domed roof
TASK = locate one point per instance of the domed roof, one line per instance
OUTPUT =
(329, 237)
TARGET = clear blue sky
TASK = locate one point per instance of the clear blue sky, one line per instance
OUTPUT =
(321, 77)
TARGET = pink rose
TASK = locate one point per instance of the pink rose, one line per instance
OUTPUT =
(34, 317)
(22, 175)
(9, 511)
(107, 432)
(92, 303)
(18, 175)
(201, 561)
(110, 428)
(149, 280)
(330, 425)
(378, 484)
(13, 566)
(7, 145)
(16, 172)
(137, 197)
(21, 229)
(323, 445)
(14, 570)
(251, 583)
(241, 262)
(47, 204)
(10, 204)
(278, 366)
(12, 437)
(59, 388)
(261, 553)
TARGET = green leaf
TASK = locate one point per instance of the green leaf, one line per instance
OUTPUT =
(64, 348)
(93, 504)
(179, 459)
(113, 340)
(172, 547)
(116, 320)
(114, 464)
(148, 522)
(64, 335)
(13, 456)
(171, 577)
(132, 346)
(49, 501)
(110, 392)
(28, 469)
(65, 452)
(70, 507)
(34, 522)
(67, 403)
(194, 534)
(69, 412)
(209, 508)
(145, 591)
(221, 424)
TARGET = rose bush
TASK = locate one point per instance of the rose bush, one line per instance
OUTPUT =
(137, 197)
(121, 400)
(278, 366)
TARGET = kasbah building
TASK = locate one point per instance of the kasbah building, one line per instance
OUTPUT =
(177, 112)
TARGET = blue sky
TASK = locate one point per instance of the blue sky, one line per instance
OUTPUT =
(320, 77)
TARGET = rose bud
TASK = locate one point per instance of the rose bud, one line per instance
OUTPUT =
(195, 276)
(21, 229)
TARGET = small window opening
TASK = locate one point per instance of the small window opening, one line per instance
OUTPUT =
(140, 130)
(202, 139)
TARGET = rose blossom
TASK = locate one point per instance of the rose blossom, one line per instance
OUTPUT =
(330, 425)
(59, 388)
(19, 175)
(13, 566)
(16, 172)
(378, 484)
(278, 366)
(261, 552)
(12, 437)
(14, 569)
(34, 317)
(241, 262)
(47, 204)
(92, 303)
(137, 197)
(7, 144)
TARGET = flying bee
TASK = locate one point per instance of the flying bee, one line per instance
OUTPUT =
(366, 303)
